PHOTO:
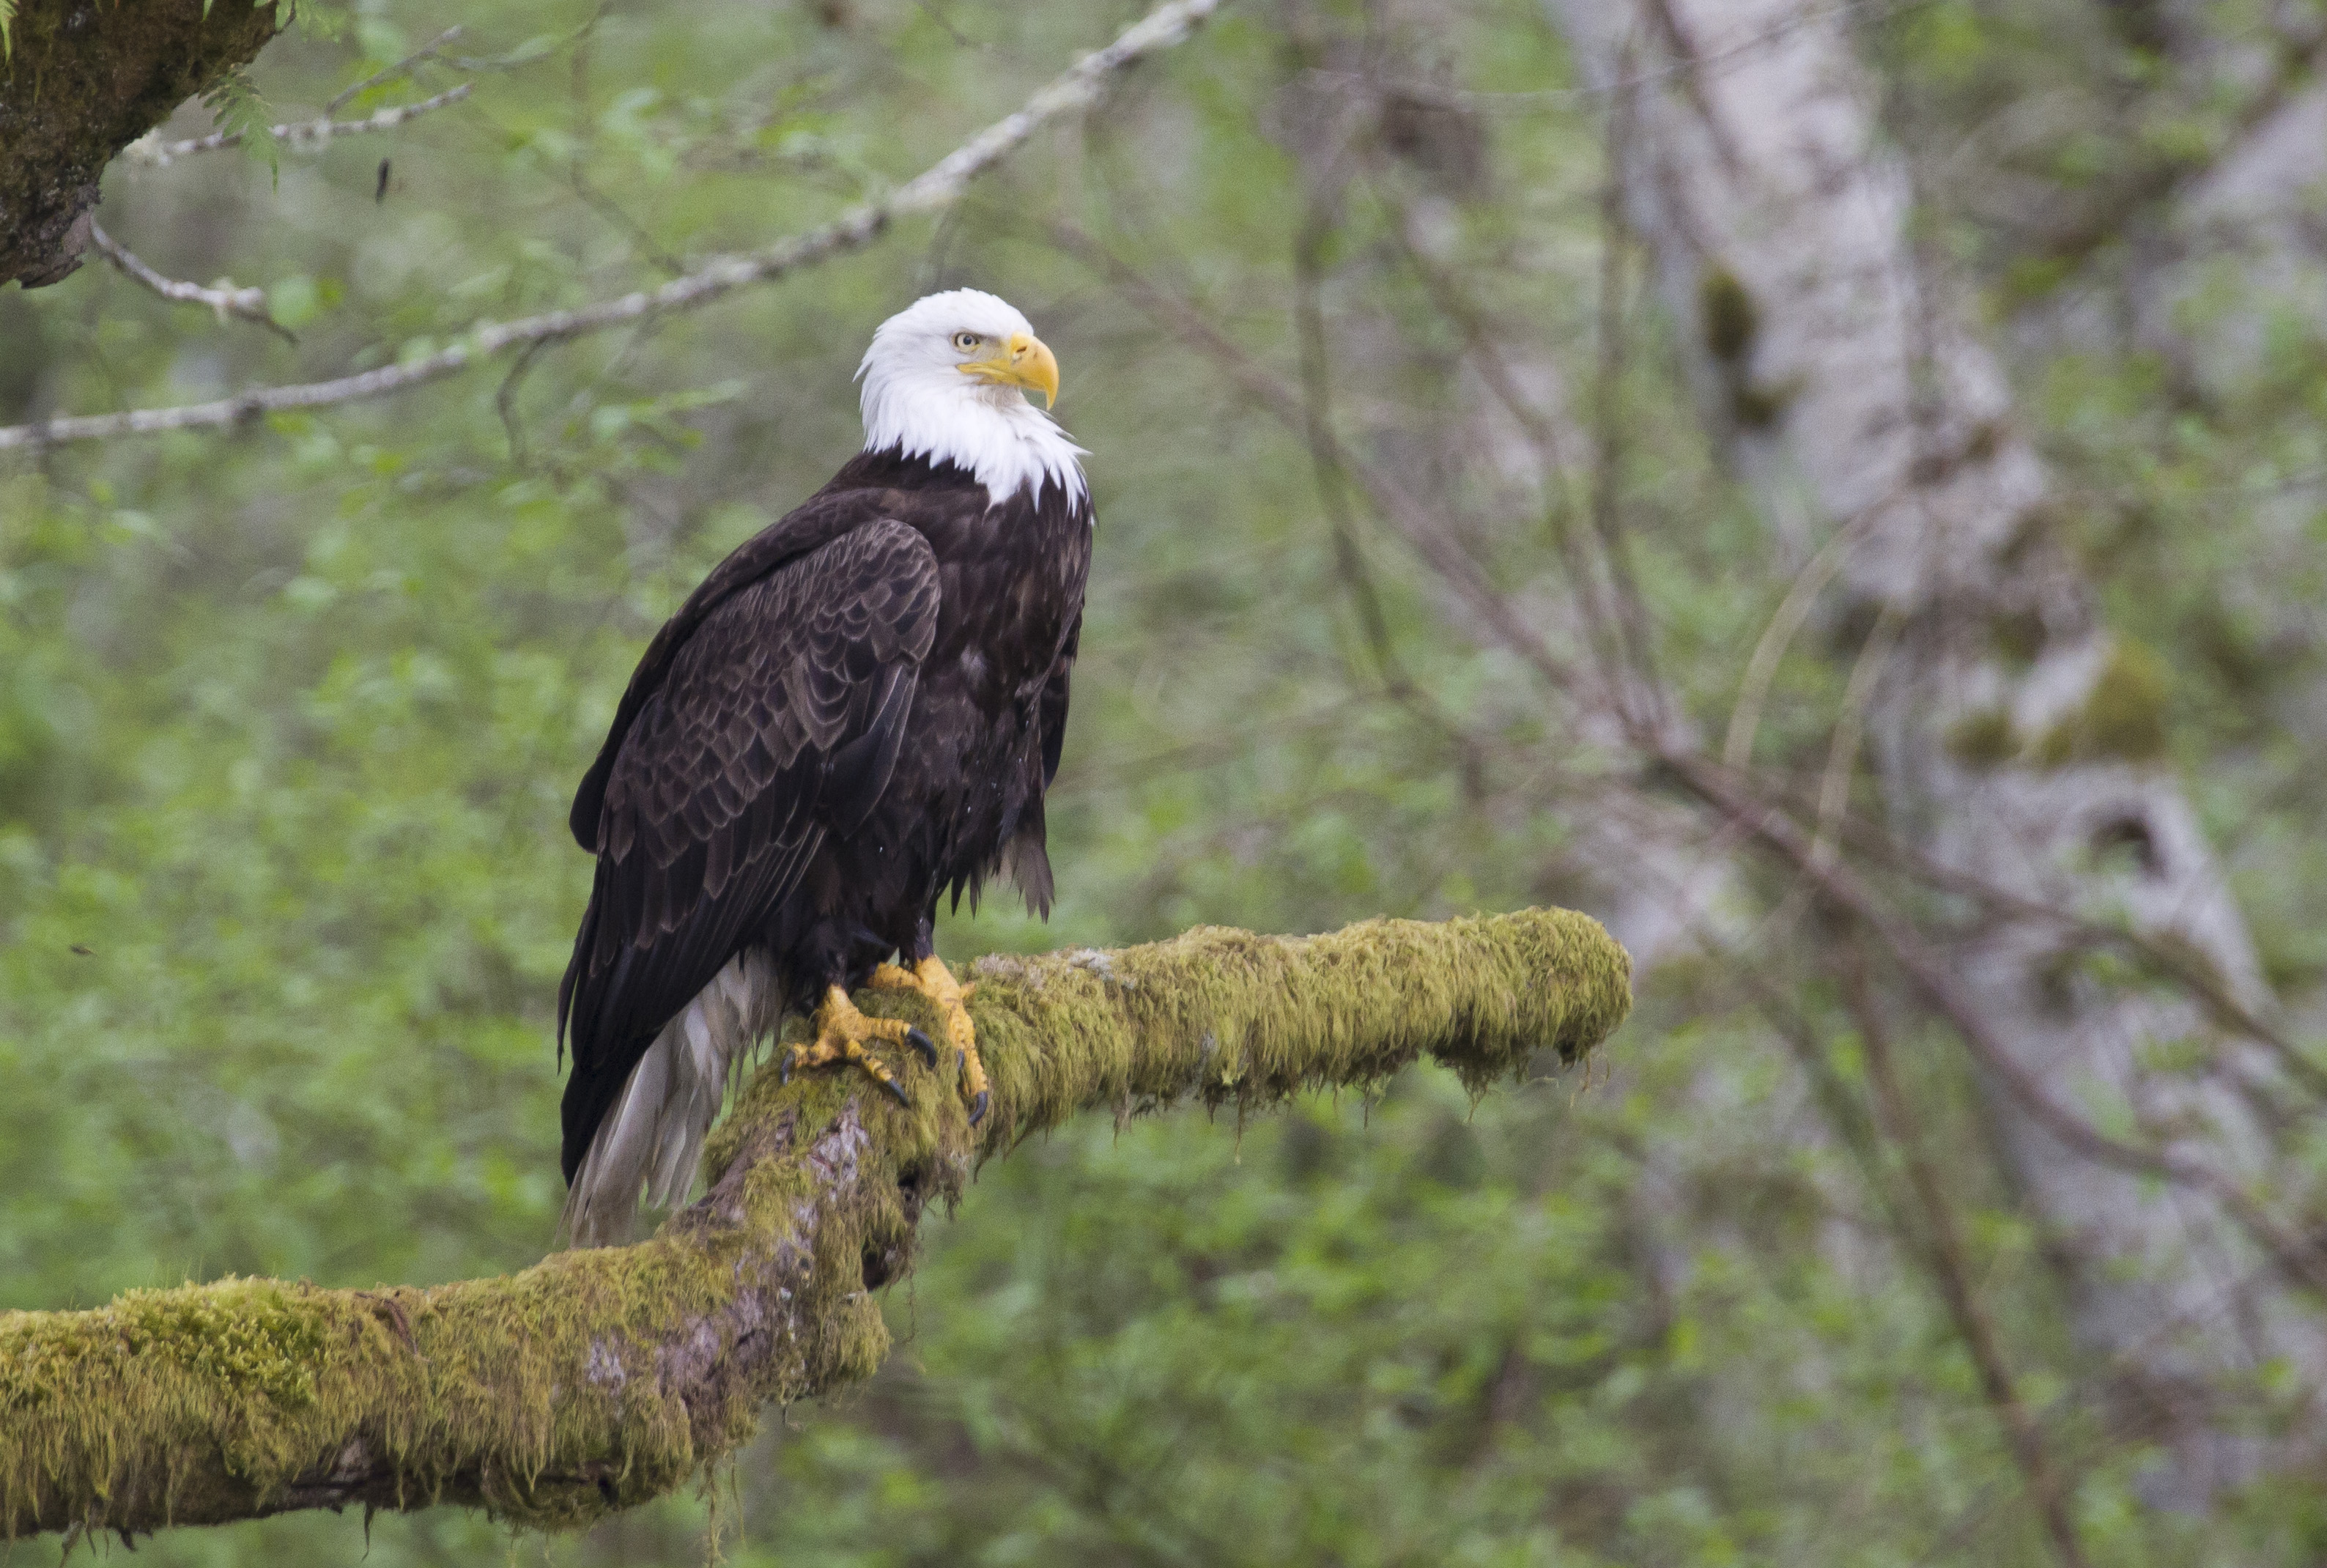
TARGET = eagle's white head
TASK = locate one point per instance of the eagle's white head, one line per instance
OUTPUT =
(947, 378)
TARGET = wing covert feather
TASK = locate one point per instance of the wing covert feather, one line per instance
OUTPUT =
(780, 708)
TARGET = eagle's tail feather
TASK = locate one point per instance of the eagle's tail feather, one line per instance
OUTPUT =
(653, 1136)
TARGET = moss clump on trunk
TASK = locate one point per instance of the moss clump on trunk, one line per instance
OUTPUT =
(597, 1380)
(81, 81)
(2123, 717)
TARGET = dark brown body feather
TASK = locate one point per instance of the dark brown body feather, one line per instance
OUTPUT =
(857, 712)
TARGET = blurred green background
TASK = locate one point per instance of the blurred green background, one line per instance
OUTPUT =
(290, 716)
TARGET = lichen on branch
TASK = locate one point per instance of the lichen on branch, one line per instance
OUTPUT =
(600, 1378)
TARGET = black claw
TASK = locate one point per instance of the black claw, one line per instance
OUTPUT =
(924, 1044)
(784, 1070)
(960, 1061)
(896, 1088)
(978, 1107)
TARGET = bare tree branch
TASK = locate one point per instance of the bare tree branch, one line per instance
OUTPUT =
(1792, 612)
(2174, 961)
(247, 305)
(1416, 522)
(388, 73)
(2300, 1259)
(303, 134)
(601, 1378)
(934, 189)
(1482, 336)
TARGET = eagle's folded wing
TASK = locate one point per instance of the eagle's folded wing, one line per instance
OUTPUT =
(776, 720)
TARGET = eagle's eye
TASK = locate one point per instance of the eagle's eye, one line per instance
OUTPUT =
(966, 342)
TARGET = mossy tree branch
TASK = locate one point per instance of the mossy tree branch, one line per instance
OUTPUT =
(598, 1379)
(82, 81)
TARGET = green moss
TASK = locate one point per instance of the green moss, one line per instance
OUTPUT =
(598, 1379)
(1984, 739)
(2123, 717)
(260, 1339)
(1726, 314)
(1758, 408)
(1730, 322)
(1228, 1017)
(2236, 651)
(2017, 636)
(2058, 748)
(2033, 278)
(2125, 714)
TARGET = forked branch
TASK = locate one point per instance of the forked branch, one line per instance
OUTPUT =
(598, 1379)
(222, 300)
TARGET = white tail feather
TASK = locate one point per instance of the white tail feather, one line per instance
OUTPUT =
(653, 1138)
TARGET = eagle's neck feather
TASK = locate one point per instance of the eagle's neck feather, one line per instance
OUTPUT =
(992, 434)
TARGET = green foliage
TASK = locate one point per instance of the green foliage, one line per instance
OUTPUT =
(1983, 739)
(1730, 318)
(239, 110)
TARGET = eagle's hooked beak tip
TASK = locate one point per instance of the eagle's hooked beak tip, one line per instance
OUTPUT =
(1037, 367)
(1026, 362)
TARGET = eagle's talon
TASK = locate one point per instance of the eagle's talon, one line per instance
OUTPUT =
(841, 1033)
(930, 978)
(924, 1044)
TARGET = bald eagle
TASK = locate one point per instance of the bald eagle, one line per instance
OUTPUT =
(857, 713)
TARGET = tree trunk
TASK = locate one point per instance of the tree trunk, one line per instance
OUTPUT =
(600, 1378)
(2016, 740)
(82, 80)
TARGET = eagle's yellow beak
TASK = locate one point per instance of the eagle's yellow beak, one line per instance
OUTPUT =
(1025, 360)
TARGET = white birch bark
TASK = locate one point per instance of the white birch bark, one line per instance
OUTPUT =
(2015, 739)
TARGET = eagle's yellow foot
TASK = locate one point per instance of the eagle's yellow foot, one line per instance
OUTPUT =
(931, 978)
(841, 1033)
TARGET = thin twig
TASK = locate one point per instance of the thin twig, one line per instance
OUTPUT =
(225, 300)
(1769, 651)
(1952, 1270)
(1527, 99)
(1416, 522)
(303, 134)
(934, 189)
(614, 212)
(1332, 479)
(1607, 414)
(505, 405)
(2175, 961)
(388, 73)
(1850, 729)
(2299, 1258)
(1541, 431)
